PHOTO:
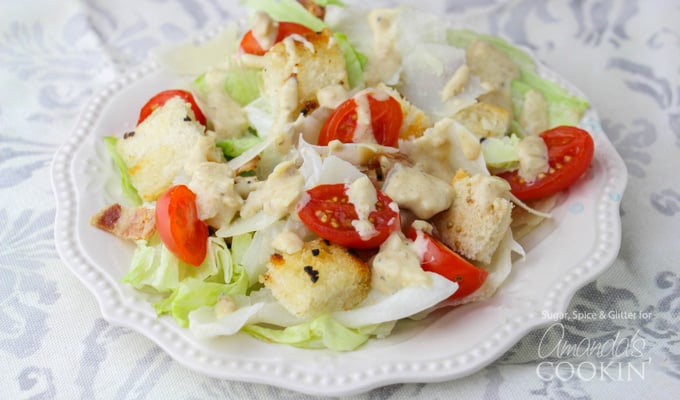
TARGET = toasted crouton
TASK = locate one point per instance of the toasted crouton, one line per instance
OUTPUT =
(162, 146)
(322, 277)
(314, 60)
(485, 120)
(415, 120)
(478, 218)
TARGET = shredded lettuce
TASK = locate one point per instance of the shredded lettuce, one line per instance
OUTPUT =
(321, 332)
(193, 293)
(354, 61)
(286, 10)
(563, 108)
(128, 188)
(239, 245)
(154, 266)
(237, 146)
(501, 153)
(243, 84)
(220, 278)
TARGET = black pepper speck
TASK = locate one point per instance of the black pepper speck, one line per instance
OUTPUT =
(313, 274)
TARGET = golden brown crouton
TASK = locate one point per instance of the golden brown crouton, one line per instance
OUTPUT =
(320, 278)
(415, 120)
(479, 217)
(313, 60)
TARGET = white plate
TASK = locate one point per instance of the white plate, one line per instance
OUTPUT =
(580, 242)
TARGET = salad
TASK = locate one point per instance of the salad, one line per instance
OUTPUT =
(338, 170)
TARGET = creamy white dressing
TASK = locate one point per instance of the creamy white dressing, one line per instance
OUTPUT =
(363, 133)
(423, 194)
(534, 117)
(227, 117)
(533, 157)
(217, 201)
(469, 143)
(488, 189)
(331, 96)
(278, 194)
(397, 265)
(362, 195)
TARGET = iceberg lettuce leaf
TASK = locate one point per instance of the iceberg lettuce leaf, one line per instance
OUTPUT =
(154, 266)
(234, 147)
(355, 61)
(193, 293)
(321, 332)
(128, 188)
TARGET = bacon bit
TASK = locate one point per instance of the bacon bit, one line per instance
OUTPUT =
(126, 223)
(315, 9)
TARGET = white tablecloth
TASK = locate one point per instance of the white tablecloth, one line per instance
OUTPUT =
(54, 342)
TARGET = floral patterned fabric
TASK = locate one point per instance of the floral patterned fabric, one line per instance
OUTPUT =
(619, 338)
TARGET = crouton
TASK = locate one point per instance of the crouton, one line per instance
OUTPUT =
(320, 278)
(485, 120)
(314, 61)
(415, 120)
(478, 218)
(162, 146)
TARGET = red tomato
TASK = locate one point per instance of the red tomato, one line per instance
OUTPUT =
(329, 214)
(570, 151)
(160, 99)
(178, 225)
(251, 46)
(386, 120)
(440, 259)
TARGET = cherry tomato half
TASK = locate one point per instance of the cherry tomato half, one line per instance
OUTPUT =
(570, 151)
(162, 97)
(329, 214)
(386, 120)
(440, 259)
(178, 225)
(251, 46)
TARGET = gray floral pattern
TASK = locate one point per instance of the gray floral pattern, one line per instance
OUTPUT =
(622, 53)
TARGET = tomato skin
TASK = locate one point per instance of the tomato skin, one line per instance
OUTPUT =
(386, 120)
(179, 227)
(570, 151)
(440, 259)
(329, 214)
(250, 45)
(162, 97)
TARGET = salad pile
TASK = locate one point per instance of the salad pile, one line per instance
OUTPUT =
(338, 170)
